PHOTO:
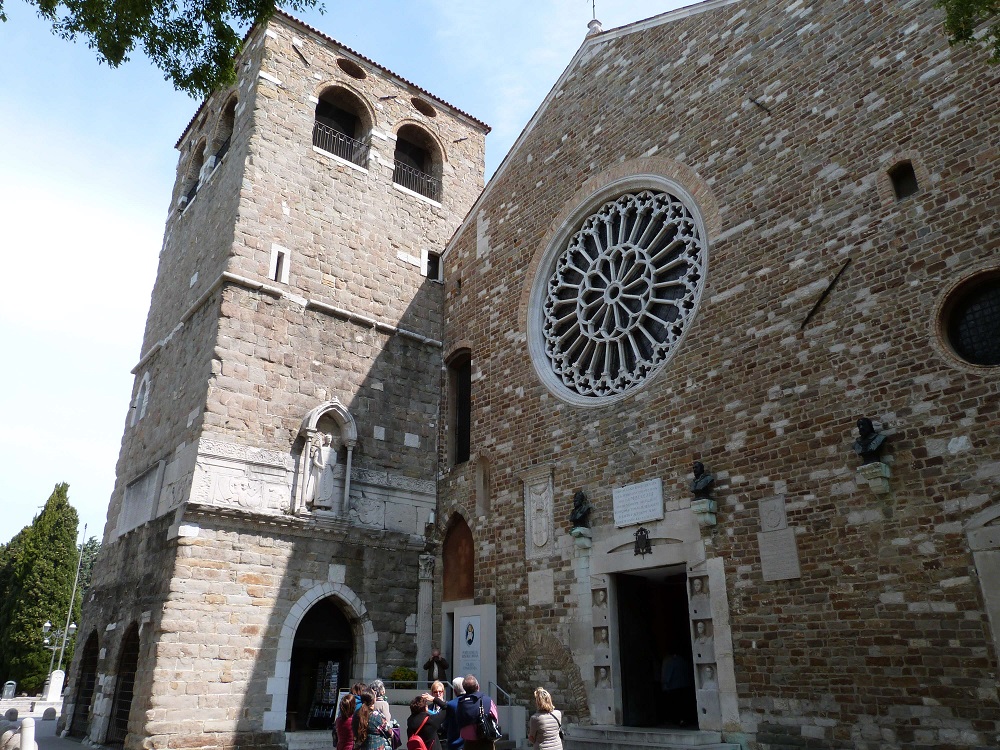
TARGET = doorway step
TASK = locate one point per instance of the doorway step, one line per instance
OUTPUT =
(320, 739)
(598, 737)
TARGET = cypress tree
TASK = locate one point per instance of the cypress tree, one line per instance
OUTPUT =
(38, 584)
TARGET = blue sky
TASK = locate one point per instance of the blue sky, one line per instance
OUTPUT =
(86, 171)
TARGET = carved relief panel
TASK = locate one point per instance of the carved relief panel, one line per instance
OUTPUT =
(538, 513)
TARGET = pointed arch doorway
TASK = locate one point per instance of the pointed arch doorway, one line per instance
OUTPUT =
(458, 580)
(321, 666)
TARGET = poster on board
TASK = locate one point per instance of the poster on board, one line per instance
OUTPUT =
(469, 641)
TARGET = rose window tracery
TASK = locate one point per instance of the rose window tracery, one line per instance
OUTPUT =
(621, 293)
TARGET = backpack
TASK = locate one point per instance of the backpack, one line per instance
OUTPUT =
(416, 742)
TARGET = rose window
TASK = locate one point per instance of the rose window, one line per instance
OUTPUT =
(622, 293)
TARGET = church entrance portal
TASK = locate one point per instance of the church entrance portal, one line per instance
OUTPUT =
(654, 630)
(321, 666)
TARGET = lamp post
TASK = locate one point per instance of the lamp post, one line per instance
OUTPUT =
(55, 640)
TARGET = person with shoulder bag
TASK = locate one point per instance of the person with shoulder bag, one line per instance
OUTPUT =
(545, 729)
(472, 719)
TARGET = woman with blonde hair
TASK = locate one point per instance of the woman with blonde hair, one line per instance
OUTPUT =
(545, 729)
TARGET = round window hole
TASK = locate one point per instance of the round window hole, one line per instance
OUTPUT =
(352, 69)
(423, 107)
(971, 320)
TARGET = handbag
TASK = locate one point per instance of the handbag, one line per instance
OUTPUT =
(488, 727)
(559, 722)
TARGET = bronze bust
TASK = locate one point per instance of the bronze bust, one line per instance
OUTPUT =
(869, 442)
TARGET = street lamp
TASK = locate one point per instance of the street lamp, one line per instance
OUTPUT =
(55, 640)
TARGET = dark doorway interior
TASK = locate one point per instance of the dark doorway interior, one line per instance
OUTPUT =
(85, 689)
(121, 704)
(655, 643)
(320, 668)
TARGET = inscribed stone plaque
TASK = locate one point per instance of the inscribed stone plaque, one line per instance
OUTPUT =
(772, 514)
(779, 554)
(638, 503)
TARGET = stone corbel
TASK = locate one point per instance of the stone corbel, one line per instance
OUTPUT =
(704, 510)
(877, 475)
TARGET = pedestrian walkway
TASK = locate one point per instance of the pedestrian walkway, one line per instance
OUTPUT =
(47, 739)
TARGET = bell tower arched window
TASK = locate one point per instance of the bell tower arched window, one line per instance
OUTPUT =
(418, 162)
(342, 126)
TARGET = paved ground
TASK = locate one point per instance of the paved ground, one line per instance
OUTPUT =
(45, 736)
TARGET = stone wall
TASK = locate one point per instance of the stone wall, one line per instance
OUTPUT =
(780, 120)
(223, 642)
(236, 357)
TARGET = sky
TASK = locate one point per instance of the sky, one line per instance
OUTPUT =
(87, 165)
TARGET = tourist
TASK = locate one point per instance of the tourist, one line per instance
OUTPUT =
(463, 717)
(343, 733)
(436, 666)
(381, 704)
(436, 705)
(545, 727)
(426, 722)
(371, 729)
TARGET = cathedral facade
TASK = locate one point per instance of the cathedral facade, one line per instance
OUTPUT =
(694, 407)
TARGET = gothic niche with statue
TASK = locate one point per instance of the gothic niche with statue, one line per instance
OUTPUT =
(329, 484)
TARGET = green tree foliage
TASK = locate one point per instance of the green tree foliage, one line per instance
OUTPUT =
(975, 22)
(36, 582)
(193, 42)
(90, 549)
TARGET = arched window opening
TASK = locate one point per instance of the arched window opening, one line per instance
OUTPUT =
(85, 684)
(460, 406)
(904, 179)
(224, 136)
(193, 179)
(418, 162)
(321, 666)
(342, 126)
(459, 561)
(121, 704)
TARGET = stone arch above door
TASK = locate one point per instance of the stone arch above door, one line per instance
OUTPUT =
(364, 635)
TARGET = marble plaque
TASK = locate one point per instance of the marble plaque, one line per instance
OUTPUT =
(541, 587)
(638, 503)
(779, 554)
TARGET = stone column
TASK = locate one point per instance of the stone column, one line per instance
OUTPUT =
(425, 614)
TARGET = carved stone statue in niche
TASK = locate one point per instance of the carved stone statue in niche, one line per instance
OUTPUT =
(700, 605)
(321, 489)
(704, 644)
(602, 678)
(708, 679)
(601, 637)
(869, 442)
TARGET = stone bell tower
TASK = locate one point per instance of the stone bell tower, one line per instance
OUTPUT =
(278, 465)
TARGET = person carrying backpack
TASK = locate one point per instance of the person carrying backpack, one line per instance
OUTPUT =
(422, 726)
(468, 716)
